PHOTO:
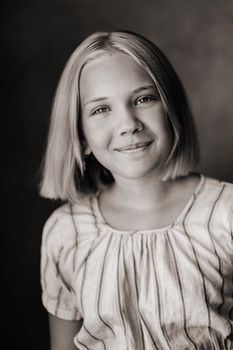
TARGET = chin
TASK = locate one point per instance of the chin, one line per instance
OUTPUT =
(134, 174)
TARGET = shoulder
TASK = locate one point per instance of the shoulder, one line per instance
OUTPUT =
(55, 228)
(67, 221)
(217, 208)
(223, 187)
(219, 196)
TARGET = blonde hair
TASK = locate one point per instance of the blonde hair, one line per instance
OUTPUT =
(64, 175)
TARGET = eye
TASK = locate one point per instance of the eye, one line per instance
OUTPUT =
(145, 99)
(100, 110)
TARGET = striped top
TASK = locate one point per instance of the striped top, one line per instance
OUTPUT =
(163, 289)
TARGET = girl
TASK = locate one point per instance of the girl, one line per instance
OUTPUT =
(140, 255)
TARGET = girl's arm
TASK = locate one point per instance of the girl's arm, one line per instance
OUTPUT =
(62, 333)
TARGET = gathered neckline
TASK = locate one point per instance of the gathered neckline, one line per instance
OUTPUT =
(99, 215)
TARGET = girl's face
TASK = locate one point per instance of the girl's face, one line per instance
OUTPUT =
(122, 117)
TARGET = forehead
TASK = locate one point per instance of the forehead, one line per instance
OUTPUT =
(112, 71)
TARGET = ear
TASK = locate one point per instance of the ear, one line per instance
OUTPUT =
(87, 149)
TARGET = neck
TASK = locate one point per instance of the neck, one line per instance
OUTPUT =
(141, 193)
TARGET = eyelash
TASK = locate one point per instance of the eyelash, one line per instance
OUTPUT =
(148, 98)
(104, 109)
(98, 110)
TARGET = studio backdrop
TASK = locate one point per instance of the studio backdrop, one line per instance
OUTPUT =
(39, 36)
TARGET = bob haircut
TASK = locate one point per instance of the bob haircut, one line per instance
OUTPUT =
(66, 174)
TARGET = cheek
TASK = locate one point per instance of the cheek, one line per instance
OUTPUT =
(97, 136)
(164, 133)
(158, 123)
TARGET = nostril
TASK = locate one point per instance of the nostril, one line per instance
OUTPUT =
(137, 127)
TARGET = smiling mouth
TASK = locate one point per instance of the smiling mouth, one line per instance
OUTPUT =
(134, 147)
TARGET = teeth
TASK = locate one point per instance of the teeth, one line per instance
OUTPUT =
(136, 146)
(132, 147)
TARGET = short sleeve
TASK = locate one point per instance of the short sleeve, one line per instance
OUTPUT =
(57, 295)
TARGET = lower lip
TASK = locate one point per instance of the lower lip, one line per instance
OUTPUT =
(135, 150)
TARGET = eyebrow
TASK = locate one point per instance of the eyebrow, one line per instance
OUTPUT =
(141, 88)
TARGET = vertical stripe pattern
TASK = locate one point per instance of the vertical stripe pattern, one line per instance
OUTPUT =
(161, 289)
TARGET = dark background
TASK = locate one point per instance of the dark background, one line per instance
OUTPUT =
(38, 38)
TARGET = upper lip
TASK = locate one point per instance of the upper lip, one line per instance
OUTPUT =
(133, 146)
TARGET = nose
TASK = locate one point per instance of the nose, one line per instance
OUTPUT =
(129, 124)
